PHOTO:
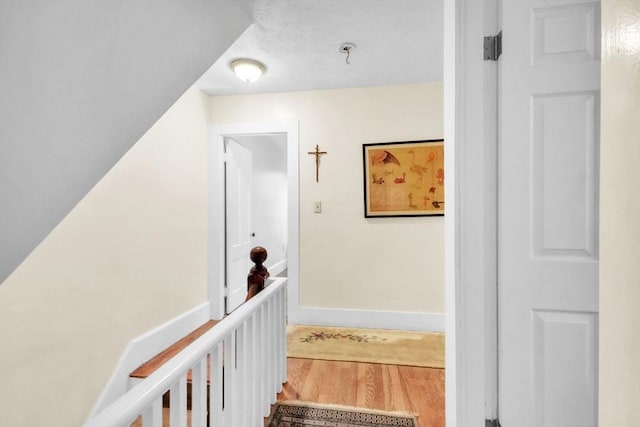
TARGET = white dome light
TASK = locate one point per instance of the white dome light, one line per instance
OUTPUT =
(247, 70)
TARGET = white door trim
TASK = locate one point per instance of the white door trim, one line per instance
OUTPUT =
(216, 227)
(470, 93)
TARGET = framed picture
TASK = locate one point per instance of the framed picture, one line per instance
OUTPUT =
(403, 178)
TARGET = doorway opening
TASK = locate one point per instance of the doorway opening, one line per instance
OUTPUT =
(253, 168)
(255, 208)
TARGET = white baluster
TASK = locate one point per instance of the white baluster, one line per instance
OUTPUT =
(152, 416)
(241, 377)
(255, 373)
(229, 390)
(280, 327)
(259, 366)
(199, 393)
(266, 399)
(267, 352)
(215, 392)
(271, 311)
(178, 403)
(250, 350)
(283, 334)
(278, 332)
(276, 342)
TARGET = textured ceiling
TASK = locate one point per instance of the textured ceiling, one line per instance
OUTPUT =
(397, 42)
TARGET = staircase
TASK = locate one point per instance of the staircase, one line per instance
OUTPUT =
(224, 373)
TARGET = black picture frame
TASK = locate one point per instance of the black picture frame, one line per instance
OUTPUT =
(403, 179)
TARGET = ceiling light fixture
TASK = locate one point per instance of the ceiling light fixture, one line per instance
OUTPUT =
(248, 70)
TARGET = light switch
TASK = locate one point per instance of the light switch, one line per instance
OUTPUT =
(317, 207)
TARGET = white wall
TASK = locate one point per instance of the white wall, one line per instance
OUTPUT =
(620, 216)
(269, 194)
(347, 261)
(81, 81)
(130, 256)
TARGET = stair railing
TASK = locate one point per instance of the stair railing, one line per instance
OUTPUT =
(244, 356)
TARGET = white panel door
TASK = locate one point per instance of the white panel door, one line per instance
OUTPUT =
(548, 213)
(238, 184)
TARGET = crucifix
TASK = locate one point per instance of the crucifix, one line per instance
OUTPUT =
(317, 153)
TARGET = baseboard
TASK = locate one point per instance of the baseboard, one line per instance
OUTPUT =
(144, 347)
(409, 321)
(277, 268)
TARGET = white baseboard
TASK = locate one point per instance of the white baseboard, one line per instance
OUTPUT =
(408, 321)
(144, 347)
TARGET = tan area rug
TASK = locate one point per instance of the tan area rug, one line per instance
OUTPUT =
(300, 414)
(366, 345)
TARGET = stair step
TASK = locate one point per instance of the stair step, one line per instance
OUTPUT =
(149, 367)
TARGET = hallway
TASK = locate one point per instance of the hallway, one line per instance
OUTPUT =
(368, 385)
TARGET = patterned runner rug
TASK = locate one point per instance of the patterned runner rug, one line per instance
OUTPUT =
(366, 345)
(300, 414)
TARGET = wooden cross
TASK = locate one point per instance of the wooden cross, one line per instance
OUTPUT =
(317, 153)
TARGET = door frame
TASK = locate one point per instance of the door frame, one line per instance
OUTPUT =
(216, 226)
(470, 120)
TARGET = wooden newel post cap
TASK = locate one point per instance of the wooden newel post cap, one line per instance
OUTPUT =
(258, 273)
(258, 255)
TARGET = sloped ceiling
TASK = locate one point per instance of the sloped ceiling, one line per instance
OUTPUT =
(80, 83)
(397, 42)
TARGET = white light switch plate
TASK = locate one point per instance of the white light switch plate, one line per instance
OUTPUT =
(317, 207)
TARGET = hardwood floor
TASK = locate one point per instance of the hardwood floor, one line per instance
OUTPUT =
(366, 385)
(375, 386)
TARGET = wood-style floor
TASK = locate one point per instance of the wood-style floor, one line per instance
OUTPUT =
(374, 386)
(366, 385)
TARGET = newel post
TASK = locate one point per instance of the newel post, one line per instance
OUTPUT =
(258, 273)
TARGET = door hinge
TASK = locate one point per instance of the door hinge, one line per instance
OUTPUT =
(492, 423)
(493, 47)
(225, 304)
